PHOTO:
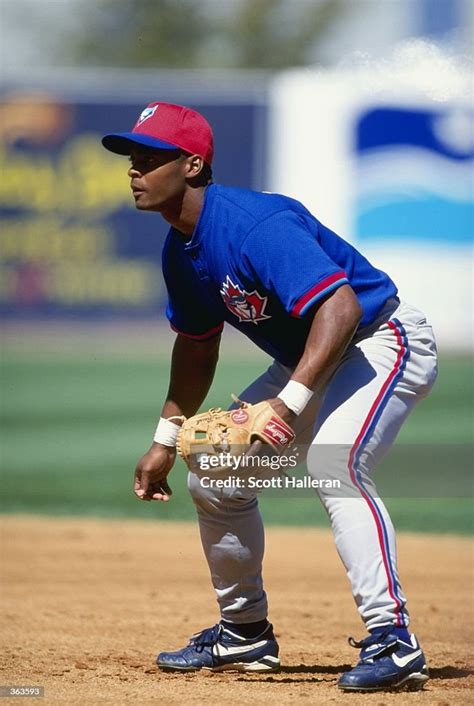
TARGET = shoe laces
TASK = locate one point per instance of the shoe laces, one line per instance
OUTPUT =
(376, 639)
(207, 638)
(376, 646)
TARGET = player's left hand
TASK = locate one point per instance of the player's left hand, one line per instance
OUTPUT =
(280, 408)
(235, 431)
(286, 414)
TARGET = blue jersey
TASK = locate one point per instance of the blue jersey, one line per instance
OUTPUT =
(261, 262)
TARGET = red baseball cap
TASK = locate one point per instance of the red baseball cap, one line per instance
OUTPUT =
(166, 126)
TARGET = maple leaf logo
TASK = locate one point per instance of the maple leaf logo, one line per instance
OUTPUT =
(247, 306)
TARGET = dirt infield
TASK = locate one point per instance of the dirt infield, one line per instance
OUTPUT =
(86, 604)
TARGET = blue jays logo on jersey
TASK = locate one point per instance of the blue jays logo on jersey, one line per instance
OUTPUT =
(248, 306)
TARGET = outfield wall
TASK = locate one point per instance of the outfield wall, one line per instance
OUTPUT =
(73, 246)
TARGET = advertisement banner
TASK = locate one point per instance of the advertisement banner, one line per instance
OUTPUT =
(72, 243)
(388, 165)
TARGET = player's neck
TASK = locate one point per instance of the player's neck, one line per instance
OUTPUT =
(184, 215)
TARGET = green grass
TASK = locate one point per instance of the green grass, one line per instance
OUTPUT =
(73, 429)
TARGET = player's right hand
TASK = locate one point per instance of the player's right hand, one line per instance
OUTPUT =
(151, 472)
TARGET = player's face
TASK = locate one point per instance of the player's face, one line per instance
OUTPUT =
(157, 178)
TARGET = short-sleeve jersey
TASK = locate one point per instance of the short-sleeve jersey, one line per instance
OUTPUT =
(261, 262)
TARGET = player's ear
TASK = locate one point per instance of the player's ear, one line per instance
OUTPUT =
(194, 166)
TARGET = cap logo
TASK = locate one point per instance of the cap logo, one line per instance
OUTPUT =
(145, 114)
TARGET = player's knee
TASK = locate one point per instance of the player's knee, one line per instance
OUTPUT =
(329, 467)
(211, 497)
(327, 461)
(200, 490)
(207, 496)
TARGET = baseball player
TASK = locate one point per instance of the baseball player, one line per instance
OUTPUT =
(350, 361)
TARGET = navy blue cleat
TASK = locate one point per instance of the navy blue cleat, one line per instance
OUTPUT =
(386, 663)
(218, 649)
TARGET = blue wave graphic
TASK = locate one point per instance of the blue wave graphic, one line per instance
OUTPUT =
(431, 217)
(395, 127)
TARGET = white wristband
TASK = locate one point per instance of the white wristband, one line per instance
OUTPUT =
(166, 432)
(296, 396)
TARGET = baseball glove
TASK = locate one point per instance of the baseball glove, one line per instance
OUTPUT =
(217, 431)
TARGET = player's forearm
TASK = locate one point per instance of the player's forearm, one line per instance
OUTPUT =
(193, 365)
(333, 327)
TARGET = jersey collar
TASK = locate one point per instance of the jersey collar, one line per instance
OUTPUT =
(203, 219)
